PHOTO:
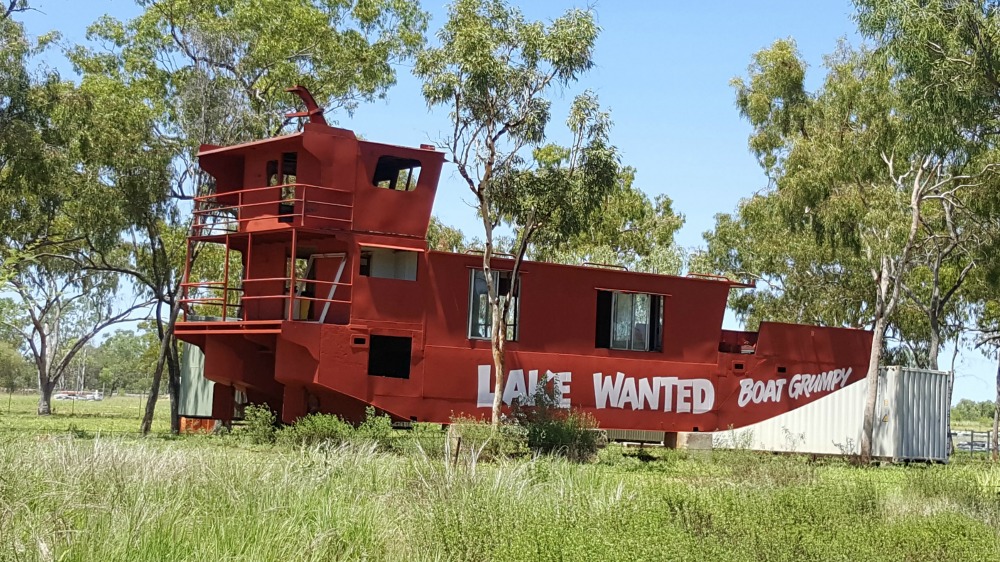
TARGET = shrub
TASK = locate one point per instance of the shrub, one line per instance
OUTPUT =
(552, 429)
(259, 424)
(485, 441)
(316, 428)
(377, 428)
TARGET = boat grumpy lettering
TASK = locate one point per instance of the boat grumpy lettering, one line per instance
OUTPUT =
(799, 386)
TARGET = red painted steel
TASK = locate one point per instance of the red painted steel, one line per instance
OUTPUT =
(299, 334)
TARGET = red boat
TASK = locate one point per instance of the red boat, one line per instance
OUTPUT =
(330, 301)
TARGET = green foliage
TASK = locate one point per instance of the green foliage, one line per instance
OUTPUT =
(444, 238)
(315, 429)
(377, 428)
(869, 219)
(971, 411)
(478, 439)
(229, 62)
(552, 429)
(259, 424)
(15, 371)
(127, 360)
(798, 279)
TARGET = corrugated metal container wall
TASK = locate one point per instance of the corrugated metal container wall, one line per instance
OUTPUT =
(196, 391)
(912, 420)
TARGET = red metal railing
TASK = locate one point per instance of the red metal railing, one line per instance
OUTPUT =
(341, 294)
(312, 204)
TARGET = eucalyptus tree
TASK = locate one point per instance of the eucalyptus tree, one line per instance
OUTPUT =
(15, 371)
(215, 72)
(56, 310)
(632, 231)
(795, 277)
(493, 71)
(855, 165)
(128, 359)
(948, 60)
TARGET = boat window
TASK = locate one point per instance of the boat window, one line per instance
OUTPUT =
(388, 263)
(365, 264)
(272, 173)
(480, 313)
(629, 321)
(389, 356)
(399, 174)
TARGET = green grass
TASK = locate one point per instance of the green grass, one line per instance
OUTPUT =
(113, 415)
(982, 425)
(216, 498)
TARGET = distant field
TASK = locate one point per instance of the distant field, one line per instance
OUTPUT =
(113, 415)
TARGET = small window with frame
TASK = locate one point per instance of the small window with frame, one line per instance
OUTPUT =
(629, 321)
(480, 311)
(398, 174)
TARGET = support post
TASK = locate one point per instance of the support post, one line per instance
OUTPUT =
(291, 285)
(225, 280)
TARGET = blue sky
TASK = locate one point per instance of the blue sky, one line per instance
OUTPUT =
(662, 68)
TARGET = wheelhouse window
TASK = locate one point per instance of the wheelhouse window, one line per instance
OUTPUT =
(480, 313)
(399, 174)
(388, 263)
(629, 321)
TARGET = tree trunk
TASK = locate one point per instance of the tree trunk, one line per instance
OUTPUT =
(498, 341)
(872, 397)
(161, 363)
(45, 398)
(934, 345)
(996, 415)
(174, 386)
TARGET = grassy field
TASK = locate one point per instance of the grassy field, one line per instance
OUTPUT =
(98, 497)
(113, 415)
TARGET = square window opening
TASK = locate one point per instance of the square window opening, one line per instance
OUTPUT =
(389, 356)
(629, 321)
(398, 174)
(480, 311)
(389, 263)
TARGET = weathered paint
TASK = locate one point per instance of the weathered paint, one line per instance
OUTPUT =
(278, 352)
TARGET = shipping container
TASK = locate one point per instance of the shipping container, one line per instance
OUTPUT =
(911, 421)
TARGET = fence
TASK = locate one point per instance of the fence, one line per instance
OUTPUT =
(968, 441)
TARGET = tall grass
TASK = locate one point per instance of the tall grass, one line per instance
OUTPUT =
(209, 498)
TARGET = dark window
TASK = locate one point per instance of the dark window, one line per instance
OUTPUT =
(400, 174)
(272, 173)
(287, 179)
(289, 167)
(629, 321)
(389, 356)
(603, 327)
(366, 264)
(480, 312)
